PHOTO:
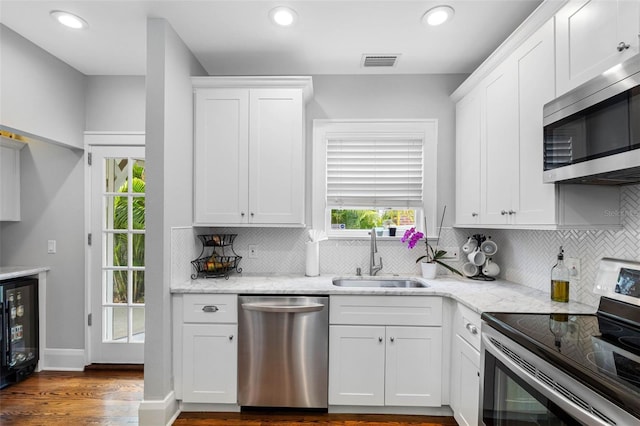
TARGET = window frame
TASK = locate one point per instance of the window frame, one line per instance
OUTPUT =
(326, 129)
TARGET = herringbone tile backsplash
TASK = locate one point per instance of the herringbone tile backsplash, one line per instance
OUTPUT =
(524, 256)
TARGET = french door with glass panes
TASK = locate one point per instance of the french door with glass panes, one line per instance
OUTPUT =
(117, 254)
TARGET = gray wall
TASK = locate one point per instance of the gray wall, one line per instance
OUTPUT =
(169, 127)
(41, 95)
(115, 103)
(353, 96)
(52, 197)
(52, 175)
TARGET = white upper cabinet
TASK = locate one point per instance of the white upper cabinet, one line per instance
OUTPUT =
(592, 36)
(10, 179)
(502, 115)
(499, 168)
(249, 151)
(468, 131)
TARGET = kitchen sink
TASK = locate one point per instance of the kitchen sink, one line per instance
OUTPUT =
(378, 282)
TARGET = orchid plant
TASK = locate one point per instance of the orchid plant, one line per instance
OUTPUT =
(433, 255)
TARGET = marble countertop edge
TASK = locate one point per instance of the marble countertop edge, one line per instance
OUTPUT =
(480, 296)
(12, 272)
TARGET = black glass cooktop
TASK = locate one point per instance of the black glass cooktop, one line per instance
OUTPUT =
(599, 350)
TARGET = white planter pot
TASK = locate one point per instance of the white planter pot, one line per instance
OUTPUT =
(429, 270)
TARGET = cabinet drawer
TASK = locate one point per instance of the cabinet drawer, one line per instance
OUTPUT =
(467, 325)
(210, 308)
(386, 310)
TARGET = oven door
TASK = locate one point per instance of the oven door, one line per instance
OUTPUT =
(518, 388)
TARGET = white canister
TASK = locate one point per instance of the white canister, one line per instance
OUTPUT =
(313, 259)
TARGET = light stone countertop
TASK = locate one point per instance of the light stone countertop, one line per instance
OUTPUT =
(11, 272)
(480, 296)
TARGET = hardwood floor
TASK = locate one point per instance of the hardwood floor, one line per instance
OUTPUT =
(304, 418)
(111, 397)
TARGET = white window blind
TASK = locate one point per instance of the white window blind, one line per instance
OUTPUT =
(375, 171)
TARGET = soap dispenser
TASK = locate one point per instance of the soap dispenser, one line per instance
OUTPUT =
(560, 280)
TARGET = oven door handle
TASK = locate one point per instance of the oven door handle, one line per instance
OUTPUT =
(557, 398)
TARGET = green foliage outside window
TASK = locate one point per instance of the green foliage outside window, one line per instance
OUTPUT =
(120, 221)
(367, 219)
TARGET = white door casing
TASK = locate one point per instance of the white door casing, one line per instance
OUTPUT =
(115, 267)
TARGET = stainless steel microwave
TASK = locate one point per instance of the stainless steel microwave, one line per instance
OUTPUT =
(592, 133)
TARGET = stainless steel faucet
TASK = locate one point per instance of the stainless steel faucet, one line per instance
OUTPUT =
(373, 268)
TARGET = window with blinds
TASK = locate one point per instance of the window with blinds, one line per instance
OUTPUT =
(369, 174)
(374, 172)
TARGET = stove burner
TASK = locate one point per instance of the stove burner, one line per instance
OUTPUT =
(632, 342)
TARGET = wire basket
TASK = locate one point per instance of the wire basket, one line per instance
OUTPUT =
(216, 266)
(217, 240)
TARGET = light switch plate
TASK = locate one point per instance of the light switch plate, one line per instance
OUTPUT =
(51, 246)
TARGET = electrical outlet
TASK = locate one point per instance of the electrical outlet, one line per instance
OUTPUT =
(253, 251)
(573, 264)
(453, 253)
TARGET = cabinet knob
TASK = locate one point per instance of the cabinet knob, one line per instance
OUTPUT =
(503, 212)
(474, 214)
(623, 46)
(231, 337)
(392, 339)
(379, 339)
(512, 212)
(472, 328)
(252, 214)
(210, 308)
(242, 214)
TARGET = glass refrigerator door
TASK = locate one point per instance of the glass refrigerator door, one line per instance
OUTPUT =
(22, 325)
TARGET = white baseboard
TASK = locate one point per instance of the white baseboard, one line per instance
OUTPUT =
(159, 412)
(62, 359)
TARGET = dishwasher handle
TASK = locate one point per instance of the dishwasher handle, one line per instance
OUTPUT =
(280, 308)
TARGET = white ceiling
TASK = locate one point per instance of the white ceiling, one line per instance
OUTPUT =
(235, 37)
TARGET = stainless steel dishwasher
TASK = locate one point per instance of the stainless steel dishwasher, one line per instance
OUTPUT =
(283, 351)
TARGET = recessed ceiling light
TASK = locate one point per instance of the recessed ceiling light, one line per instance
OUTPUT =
(283, 16)
(69, 19)
(438, 15)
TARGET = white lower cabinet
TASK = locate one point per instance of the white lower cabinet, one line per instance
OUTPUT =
(206, 348)
(392, 363)
(209, 363)
(465, 367)
(465, 382)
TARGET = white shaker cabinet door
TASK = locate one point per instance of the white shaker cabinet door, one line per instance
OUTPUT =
(592, 36)
(414, 366)
(468, 131)
(465, 382)
(220, 156)
(536, 200)
(276, 156)
(356, 365)
(499, 168)
(210, 363)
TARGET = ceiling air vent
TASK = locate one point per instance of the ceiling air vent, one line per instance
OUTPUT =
(379, 60)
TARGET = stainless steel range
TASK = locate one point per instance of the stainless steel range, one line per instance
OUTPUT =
(563, 369)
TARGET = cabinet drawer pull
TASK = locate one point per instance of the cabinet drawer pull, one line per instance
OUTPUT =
(503, 212)
(379, 339)
(231, 337)
(392, 339)
(472, 328)
(210, 308)
(511, 212)
(623, 46)
(474, 214)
